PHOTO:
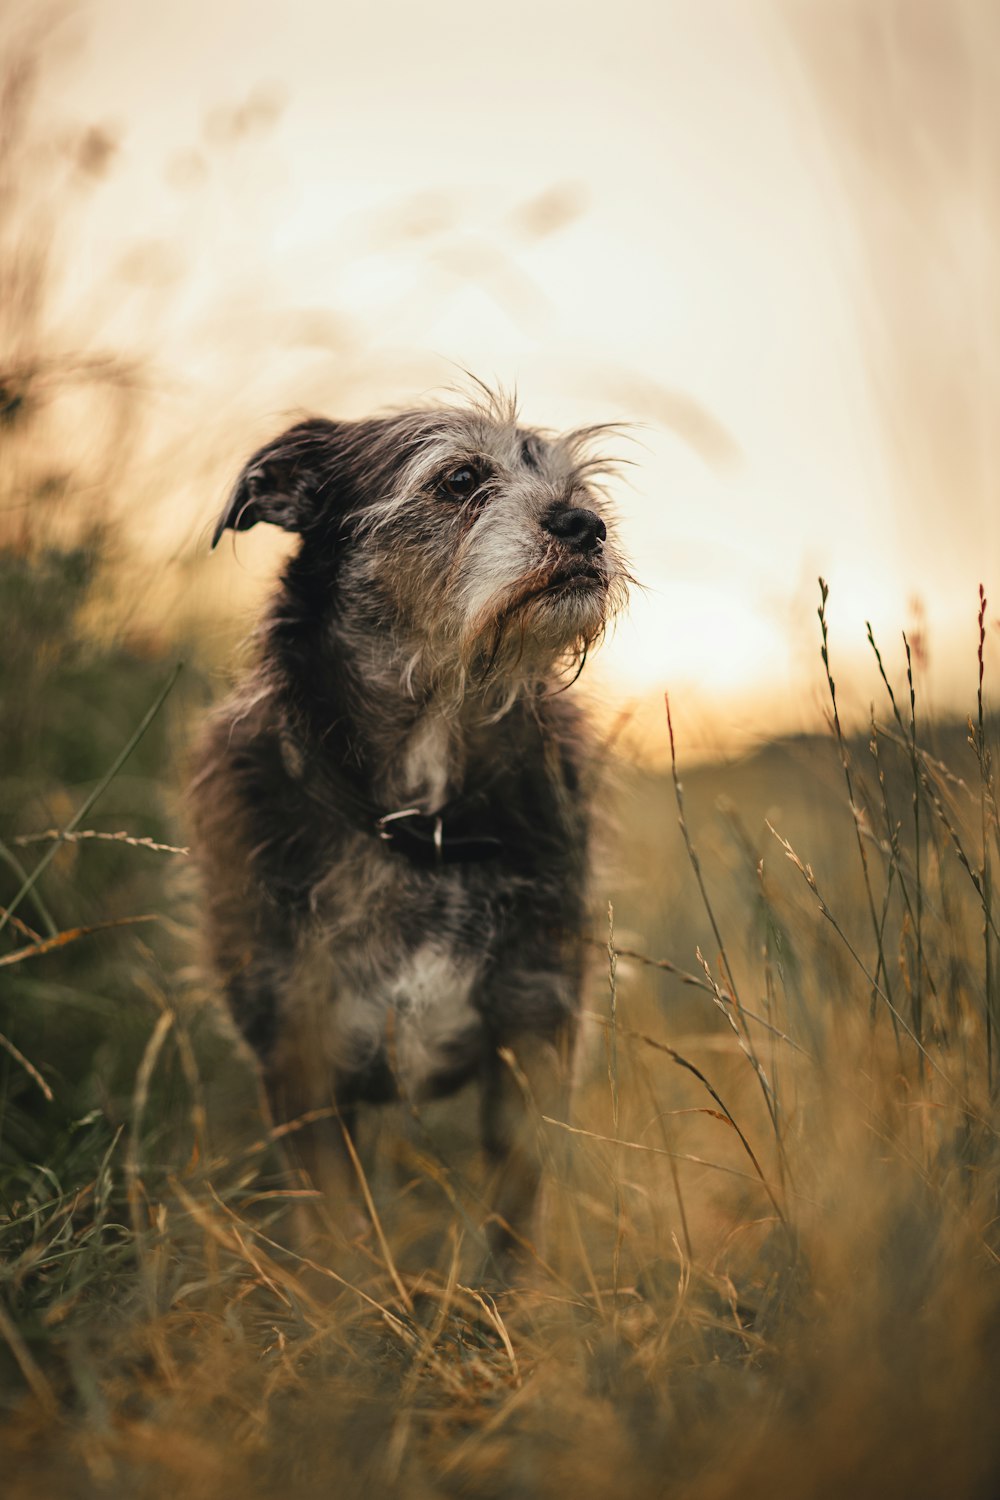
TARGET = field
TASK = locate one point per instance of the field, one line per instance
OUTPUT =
(769, 1258)
(770, 1248)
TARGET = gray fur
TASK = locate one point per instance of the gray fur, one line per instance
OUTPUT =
(413, 658)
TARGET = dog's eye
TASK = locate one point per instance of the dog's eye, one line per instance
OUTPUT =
(461, 483)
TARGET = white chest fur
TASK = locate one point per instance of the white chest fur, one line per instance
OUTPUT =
(421, 1015)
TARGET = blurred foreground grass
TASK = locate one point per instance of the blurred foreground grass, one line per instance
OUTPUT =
(771, 1246)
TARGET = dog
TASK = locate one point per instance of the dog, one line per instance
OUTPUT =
(392, 814)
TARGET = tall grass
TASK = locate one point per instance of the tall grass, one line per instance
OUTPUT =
(768, 1261)
(768, 1258)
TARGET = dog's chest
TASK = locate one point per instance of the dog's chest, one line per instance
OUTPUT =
(417, 1017)
(411, 950)
(429, 1026)
(400, 968)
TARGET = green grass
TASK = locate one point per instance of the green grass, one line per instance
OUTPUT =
(770, 1240)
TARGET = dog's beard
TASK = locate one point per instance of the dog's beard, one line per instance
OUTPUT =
(547, 617)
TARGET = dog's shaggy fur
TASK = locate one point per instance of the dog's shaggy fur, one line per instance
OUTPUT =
(392, 813)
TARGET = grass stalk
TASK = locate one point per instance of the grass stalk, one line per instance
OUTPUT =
(845, 761)
(30, 881)
(717, 994)
(987, 809)
(612, 1035)
(918, 988)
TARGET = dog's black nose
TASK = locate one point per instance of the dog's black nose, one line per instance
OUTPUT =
(582, 529)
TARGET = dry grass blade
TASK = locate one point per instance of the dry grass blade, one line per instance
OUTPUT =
(810, 879)
(695, 982)
(71, 935)
(7, 912)
(81, 834)
(31, 880)
(716, 992)
(913, 750)
(491, 1426)
(611, 1036)
(613, 1028)
(918, 1000)
(387, 1254)
(695, 862)
(23, 928)
(852, 799)
(133, 1168)
(33, 1375)
(751, 1058)
(392, 1321)
(987, 818)
(29, 1067)
(726, 1115)
(949, 825)
(700, 1161)
(489, 1307)
(240, 1244)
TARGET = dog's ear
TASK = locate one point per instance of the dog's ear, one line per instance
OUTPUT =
(284, 481)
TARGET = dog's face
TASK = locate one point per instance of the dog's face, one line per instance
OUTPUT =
(469, 539)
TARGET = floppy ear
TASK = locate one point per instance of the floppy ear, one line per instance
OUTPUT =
(284, 480)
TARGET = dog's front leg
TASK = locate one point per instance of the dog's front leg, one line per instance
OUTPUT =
(523, 1080)
(316, 1130)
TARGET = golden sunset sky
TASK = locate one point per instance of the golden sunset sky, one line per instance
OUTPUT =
(765, 234)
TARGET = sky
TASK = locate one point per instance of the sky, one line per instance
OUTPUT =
(758, 233)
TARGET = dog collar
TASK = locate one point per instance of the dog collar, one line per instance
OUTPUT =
(447, 837)
(425, 839)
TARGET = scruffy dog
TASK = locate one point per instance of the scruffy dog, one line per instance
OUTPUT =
(392, 813)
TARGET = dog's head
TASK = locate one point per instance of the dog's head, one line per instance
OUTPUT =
(471, 541)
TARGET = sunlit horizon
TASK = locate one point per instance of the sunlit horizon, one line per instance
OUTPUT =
(672, 229)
